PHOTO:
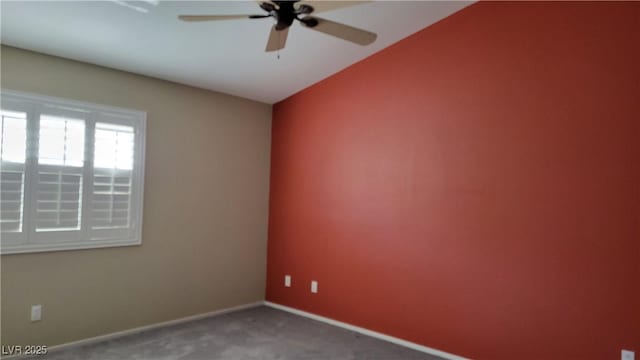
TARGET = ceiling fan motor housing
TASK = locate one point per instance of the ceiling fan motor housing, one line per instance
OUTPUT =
(285, 13)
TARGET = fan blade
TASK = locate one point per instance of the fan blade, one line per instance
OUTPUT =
(342, 31)
(213, 17)
(328, 5)
(277, 39)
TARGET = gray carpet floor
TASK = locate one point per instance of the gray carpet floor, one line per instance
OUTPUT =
(260, 333)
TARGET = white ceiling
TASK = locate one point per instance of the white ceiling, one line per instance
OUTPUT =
(145, 37)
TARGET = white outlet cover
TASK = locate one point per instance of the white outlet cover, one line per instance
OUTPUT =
(287, 280)
(314, 286)
(628, 355)
(36, 312)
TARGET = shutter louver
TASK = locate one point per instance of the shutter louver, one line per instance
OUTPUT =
(12, 154)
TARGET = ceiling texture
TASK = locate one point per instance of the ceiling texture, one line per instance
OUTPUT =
(145, 37)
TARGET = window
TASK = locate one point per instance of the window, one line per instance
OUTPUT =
(13, 149)
(71, 174)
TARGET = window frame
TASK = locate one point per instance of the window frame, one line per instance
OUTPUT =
(29, 240)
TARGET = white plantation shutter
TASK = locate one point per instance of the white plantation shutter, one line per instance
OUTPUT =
(72, 174)
(60, 172)
(14, 136)
(59, 199)
(61, 141)
(113, 182)
(111, 199)
(12, 195)
(13, 144)
(113, 146)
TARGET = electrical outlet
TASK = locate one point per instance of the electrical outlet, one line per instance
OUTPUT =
(287, 280)
(314, 286)
(628, 355)
(36, 312)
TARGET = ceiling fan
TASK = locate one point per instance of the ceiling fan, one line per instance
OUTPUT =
(285, 13)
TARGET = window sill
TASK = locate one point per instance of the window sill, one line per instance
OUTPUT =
(38, 248)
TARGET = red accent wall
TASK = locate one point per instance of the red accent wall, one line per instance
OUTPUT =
(474, 188)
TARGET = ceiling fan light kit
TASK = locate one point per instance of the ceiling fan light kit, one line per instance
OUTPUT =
(285, 13)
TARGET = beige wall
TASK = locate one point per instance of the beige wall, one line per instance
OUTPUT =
(205, 211)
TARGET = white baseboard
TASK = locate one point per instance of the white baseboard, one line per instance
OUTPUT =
(140, 329)
(367, 332)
